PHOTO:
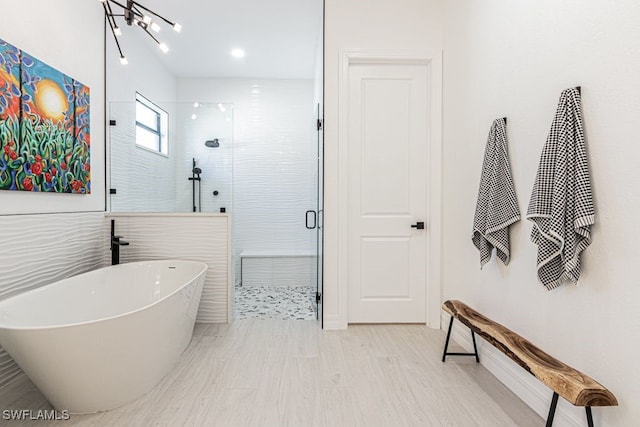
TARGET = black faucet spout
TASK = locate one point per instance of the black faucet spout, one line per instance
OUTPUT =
(115, 244)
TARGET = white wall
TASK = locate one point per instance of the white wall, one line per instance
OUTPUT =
(362, 24)
(144, 73)
(274, 149)
(505, 58)
(74, 47)
(145, 181)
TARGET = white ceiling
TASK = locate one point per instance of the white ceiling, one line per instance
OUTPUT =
(280, 37)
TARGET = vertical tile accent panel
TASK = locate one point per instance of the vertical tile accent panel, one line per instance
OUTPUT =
(197, 237)
(37, 250)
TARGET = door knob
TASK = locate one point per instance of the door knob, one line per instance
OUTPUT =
(419, 225)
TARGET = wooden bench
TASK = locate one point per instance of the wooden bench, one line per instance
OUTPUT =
(574, 386)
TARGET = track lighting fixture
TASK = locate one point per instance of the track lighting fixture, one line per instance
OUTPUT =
(134, 13)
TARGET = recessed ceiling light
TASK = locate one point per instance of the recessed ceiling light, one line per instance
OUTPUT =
(237, 52)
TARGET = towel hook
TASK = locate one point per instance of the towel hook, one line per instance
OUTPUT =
(505, 120)
(579, 90)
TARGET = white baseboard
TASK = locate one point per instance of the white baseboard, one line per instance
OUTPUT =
(531, 391)
(333, 323)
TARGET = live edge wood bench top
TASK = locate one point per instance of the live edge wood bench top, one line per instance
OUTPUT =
(576, 387)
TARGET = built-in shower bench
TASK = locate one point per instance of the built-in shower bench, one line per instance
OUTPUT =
(574, 386)
(277, 267)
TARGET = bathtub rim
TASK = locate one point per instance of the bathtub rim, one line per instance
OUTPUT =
(101, 319)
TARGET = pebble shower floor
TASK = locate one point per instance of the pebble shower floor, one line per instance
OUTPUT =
(273, 302)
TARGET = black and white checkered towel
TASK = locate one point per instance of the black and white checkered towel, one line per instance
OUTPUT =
(497, 206)
(561, 205)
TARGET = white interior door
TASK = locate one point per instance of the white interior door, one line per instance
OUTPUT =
(388, 113)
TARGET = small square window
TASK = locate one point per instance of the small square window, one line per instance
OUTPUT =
(151, 126)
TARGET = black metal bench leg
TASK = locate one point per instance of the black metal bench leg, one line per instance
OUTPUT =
(475, 348)
(552, 412)
(552, 409)
(589, 416)
(446, 343)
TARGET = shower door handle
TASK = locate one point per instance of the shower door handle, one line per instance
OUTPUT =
(315, 220)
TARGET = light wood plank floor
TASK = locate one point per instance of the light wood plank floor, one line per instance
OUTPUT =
(291, 373)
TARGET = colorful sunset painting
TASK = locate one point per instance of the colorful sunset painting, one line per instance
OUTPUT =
(44, 127)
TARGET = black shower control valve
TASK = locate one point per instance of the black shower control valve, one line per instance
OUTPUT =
(215, 192)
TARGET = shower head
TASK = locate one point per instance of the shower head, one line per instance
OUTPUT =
(212, 143)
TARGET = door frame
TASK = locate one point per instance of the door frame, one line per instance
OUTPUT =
(432, 58)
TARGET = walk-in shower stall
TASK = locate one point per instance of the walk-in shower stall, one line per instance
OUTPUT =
(257, 160)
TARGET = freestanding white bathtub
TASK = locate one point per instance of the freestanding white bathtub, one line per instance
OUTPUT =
(101, 339)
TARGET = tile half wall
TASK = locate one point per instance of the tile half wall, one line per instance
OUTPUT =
(195, 237)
